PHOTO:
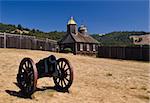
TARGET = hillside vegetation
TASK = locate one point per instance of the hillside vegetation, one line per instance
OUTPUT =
(117, 38)
(110, 39)
(8, 28)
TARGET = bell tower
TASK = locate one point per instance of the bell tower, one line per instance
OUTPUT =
(72, 26)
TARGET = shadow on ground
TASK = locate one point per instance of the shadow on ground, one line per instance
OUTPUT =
(20, 94)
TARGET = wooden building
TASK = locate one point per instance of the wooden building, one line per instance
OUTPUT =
(141, 39)
(78, 40)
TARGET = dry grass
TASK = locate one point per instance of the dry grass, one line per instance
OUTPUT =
(96, 80)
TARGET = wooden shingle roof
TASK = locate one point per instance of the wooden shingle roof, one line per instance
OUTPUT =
(78, 38)
(83, 38)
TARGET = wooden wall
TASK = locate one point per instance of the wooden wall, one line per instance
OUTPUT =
(129, 53)
(26, 42)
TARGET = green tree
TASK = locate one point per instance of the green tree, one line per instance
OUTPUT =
(33, 30)
(20, 27)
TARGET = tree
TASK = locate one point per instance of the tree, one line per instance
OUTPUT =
(19, 27)
(33, 30)
(37, 30)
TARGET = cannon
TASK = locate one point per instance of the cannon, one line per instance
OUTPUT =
(59, 69)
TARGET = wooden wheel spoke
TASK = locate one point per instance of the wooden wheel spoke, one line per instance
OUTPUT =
(59, 66)
(67, 79)
(23, 82)
(23, 67)
(68, 74)
(28, 89)
(66, 70)
(30, 73)
(22, 73)
(64, 82)
(58, 80)
(29, 65)
(26, 65)
(64, 66)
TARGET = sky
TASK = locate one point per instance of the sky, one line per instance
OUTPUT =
(98, 15)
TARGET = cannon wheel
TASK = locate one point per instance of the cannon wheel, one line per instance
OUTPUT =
(65, 74)
(27, 76)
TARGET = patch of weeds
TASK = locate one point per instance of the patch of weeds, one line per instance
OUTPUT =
(143, 97)
(108, 74)
(132, 87)
(143, 88)
(32, 96)
(50, 93)
(148, 91)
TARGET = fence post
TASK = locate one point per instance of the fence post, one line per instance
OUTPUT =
(109, 51)
(124, 52)
(141, 56)
(20, 41)
(4, 40)
(35, 43)
(46, 47)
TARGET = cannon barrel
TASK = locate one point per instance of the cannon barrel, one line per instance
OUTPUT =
(46, 66)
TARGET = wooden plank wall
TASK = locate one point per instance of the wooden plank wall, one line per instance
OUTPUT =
(26, 42)
(129, 53)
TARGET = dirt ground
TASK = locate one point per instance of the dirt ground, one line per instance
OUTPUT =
(96, 80)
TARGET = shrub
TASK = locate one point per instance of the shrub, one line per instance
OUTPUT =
(67, 50)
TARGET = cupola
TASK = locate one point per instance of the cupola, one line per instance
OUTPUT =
(82, 29)
(72, 26)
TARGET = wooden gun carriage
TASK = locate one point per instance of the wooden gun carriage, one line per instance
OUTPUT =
(28, 73)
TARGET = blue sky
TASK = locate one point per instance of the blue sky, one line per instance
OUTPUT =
(99, 16)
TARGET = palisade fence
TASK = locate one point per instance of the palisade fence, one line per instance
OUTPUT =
(26, 42)
(128, 53)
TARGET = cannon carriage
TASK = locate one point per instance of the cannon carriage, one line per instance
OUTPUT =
(59, 69)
